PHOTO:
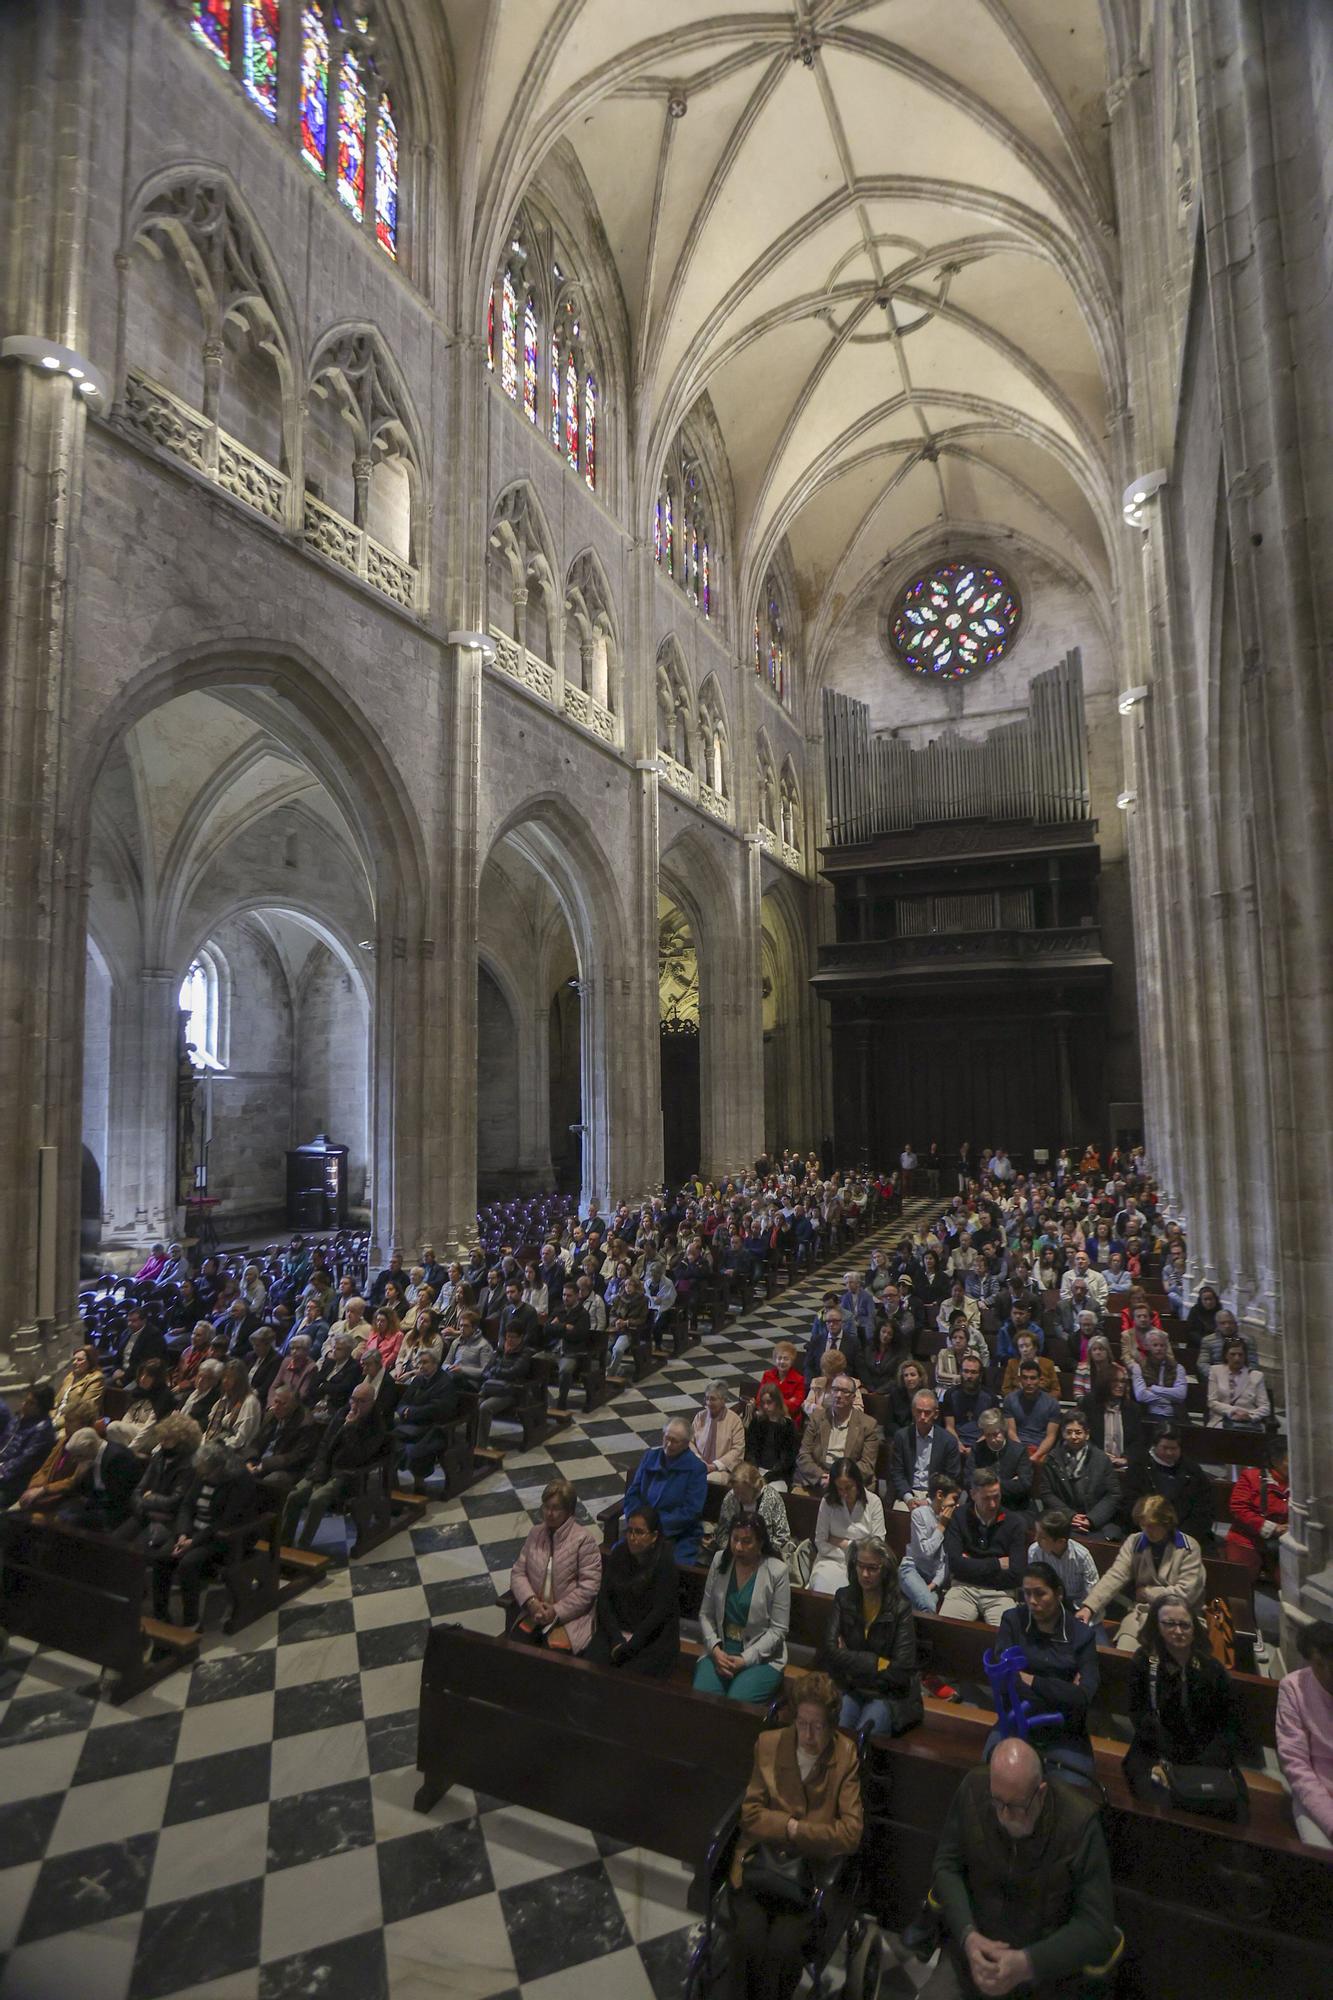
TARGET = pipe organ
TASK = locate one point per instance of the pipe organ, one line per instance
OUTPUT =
(1034, 769)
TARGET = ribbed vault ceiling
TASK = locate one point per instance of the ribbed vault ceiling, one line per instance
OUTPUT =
(878, 234)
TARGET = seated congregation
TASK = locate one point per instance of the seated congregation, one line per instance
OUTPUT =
(968, 1511)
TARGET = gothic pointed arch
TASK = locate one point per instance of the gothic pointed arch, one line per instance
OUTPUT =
(773, 632)
(676, 724)
(354, 375)
(714, 739)
(592, 643)
(524, 600)
(208, 320)
(789, 807)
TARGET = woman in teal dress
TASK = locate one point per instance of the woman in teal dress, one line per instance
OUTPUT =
(744, 1617)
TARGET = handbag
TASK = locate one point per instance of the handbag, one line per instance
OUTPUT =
(776, 1875)
(1203, 1788)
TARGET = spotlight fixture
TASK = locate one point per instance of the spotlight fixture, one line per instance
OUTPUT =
(53, 359)
(474, 642)
(1137, 495)
(1126, 799)
(1130, 699)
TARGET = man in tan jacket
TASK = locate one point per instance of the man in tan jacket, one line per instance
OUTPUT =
(838, 1430)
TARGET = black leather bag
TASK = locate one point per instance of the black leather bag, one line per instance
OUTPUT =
(1203, 1788)
(777, 1876)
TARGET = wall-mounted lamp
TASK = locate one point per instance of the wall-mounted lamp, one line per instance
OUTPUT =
(52, 359)
(474, 642)
(1130, 699)
(1126, 799)
(1137, 495)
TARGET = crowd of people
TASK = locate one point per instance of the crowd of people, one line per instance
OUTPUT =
(1003, 1377)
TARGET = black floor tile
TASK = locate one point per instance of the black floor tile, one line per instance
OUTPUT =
(350, 1966)
(32, 1718)
(123, 1747)
(207, 1785)
(665, 1960)
(392, 1740)
(388, 1645)
(433, 1541)
(89, 1886)
(462, 1593)
(562, 1920)
(312, 1620)
(311, 1826)
(26, 1827)
(226, 1680)
(317, 1705)
(433, 1869)
(198, 1939)
(367, 1578)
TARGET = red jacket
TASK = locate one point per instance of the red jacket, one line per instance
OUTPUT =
(1256, 1497)
(792, 1385)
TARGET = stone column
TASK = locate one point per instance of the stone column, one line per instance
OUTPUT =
(45, 53)
(141, 1190)
(1262, 124)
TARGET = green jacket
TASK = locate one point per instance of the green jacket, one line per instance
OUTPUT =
(1049, 1894)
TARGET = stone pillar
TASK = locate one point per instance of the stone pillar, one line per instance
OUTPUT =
(633, 1047)
(140, 1197)
(45, 53)
(1263, 131)
(534, 1094)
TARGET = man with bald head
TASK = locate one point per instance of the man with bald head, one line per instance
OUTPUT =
(1023, 1880)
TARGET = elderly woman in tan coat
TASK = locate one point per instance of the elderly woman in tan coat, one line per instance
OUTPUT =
(556, 1577)
(717, 1436)
(1158, 1562)
(803, 1798)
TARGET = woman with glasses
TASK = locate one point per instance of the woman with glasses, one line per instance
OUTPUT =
(1182, 1707)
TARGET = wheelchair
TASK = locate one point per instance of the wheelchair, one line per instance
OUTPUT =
(839, 1911)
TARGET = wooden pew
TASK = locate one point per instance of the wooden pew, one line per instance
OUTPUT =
(84, 1595)
(1218, 1447)
(1205, 1904)
(634, 1759)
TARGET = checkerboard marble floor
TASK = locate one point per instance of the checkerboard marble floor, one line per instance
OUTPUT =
(245, 1831)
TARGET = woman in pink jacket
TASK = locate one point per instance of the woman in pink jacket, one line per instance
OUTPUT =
(1305, 1735)
(557, 1576)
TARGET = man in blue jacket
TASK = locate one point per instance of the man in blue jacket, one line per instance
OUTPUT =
(675, 1481)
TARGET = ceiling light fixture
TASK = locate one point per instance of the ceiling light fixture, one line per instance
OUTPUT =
(1130, 699)
(474, 642)
(1126, 799)
(53, 359)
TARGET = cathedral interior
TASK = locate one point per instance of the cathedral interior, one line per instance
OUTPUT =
(595, 594)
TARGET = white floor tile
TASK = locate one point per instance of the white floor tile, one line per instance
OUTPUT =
(462, 1953)
(319, 1757)
(523, 1845)
(225, 1725)
(112, 1809)
(209, 1854)
(95, 1963)
(334, 1898)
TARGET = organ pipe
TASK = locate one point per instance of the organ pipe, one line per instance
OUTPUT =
(1034, 769)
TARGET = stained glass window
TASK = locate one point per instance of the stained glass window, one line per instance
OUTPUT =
(386, 179)
(657, 531)
(572, 412)
(259, 21)
(705, 582)
(352, 135)
(509, 339)
(211, 22)
(590, 432)
(555, 391)
(530, 359)
(314, 87)
(955, 620)
(668, 552)
(692, 578)
(758, 647)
